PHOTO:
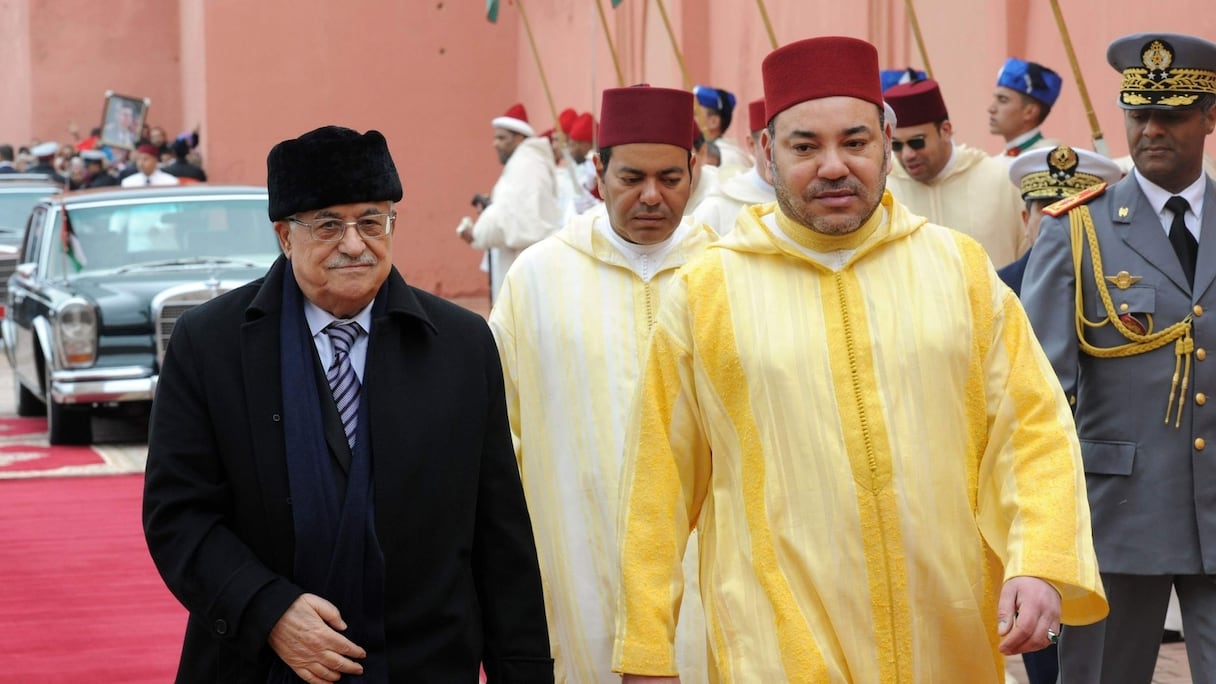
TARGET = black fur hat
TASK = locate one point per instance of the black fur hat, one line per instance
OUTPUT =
(330, 165)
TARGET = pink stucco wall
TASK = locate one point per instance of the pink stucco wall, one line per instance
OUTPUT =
(430, 74)
(61, 57)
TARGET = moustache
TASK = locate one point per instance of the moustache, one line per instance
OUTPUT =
(820, 187)
(342, 261)
(641, 210)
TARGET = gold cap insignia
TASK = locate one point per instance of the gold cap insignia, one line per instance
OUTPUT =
(1062, 163)
(1123, 280)
(1157, 57)
(1059, 180)
(1156, 82)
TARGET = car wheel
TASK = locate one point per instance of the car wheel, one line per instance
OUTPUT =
(66, 424)
(28, 403)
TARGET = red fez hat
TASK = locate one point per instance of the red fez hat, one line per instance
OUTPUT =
(149, 148)
(820, 67)
(566, 119)
(583, 128)
(755, 115)
(641, 114)
(917, 103)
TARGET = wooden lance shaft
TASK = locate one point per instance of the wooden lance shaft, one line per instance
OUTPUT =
(616, 63)
(562, 142)
(768, 25)
(920, 40)
(698, 113)
(1094, 127)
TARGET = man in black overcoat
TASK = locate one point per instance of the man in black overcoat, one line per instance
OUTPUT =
(331, 488)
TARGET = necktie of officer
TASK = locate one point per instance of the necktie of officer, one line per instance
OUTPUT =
(341, 375)
(1185, 245)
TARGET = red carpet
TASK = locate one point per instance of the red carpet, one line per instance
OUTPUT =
(27, 457)
(80, 600)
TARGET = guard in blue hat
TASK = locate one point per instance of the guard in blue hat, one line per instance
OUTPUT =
(1025, 92)
(719, 108)
(1121, 290)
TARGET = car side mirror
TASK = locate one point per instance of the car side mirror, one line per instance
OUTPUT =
(27, 270)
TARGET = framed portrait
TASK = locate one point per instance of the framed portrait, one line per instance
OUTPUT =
(122, 120)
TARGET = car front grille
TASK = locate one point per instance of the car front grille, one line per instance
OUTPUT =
(168, 307)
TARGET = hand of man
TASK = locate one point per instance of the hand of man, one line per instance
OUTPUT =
(465, 229)
(643, 679)
(1029, 607)
(307, 639)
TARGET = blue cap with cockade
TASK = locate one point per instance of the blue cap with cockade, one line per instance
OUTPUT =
(1030, 78)
(894, 77)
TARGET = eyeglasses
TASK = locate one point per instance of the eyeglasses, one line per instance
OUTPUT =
(917, 143)
(370, 227)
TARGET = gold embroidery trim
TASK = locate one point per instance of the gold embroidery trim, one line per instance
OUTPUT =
(1185, 80)
(1042, 185)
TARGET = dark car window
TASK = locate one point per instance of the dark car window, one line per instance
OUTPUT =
(130, 235)
(31, 244)
(15, 206)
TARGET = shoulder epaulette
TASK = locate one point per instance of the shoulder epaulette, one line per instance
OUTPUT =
(1067, 204)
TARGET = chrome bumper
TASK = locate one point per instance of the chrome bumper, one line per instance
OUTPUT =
(101, 385)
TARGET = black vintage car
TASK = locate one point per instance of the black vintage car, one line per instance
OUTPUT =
(103, 275)
(19, 192)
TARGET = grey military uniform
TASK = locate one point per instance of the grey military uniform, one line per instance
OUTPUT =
(1151, 485)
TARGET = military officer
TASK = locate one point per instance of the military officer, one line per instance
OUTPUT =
(1129, 331)
(1045, 176)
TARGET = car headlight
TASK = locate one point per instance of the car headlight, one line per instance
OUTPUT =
(76, 333)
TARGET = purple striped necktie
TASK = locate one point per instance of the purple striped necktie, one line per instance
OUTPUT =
(341, 375)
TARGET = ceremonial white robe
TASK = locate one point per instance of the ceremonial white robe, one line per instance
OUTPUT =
(523, 208)
(869, 442)
(732, 156)
(707, 186)
(572, 321)
(974, 195)
(720, 210)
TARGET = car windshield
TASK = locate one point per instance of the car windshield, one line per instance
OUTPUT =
(173, 232)
(15, 206)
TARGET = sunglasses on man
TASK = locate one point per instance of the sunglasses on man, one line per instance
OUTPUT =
(917, 143)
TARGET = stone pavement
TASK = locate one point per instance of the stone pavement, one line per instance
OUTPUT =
(1171, 667)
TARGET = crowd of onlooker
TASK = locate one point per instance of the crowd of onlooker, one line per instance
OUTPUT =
(88, 162)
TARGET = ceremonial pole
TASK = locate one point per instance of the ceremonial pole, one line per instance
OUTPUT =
(920, 40)
(523, 15)
(1094, 127)
(671, 35)
(768, 25)
(616, 64)
(540, 68)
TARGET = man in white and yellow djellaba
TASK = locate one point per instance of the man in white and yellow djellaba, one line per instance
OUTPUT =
(572, 321)
(853, 412)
